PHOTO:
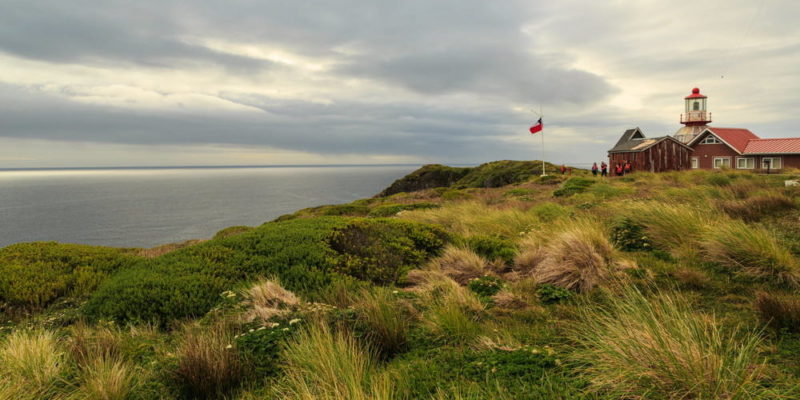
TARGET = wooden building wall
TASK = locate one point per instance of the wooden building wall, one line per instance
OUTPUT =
(666, 155)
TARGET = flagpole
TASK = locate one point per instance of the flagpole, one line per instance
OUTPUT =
(541, 116)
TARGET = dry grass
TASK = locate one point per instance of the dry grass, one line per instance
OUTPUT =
(208, 365)
(31, 365)
(691, 278)
(509, 300)
(659, 348)
(578, 258)
(460, 264)
(87, 343)
(531, 254)
(753, 250)
(325, 365)
(267, 299)
(779, 311)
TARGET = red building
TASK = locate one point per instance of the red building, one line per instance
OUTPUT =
(708, 147)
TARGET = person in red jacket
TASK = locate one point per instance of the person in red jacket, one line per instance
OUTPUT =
(563, 169)
(618, 169)
(628, 167)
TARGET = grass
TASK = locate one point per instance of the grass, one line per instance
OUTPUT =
(108, 378)
(752, 250)
(469, 218)
(267, 299)
(639, 347)
(578, 258)
(208, 365)
(779, 311)
(330, 365)
(460, 264)
(32, 365)
(670, 226)
(385, 319)
(756, 207)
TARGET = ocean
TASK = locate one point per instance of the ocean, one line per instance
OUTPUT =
(146, 207)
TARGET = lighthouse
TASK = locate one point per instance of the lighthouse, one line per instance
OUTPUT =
(695, 117)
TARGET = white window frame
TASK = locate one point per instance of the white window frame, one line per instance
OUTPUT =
(773, 164)
(723, 159)
(695, 162)
(711, 139)
(752, 162)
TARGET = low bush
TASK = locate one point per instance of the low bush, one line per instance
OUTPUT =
(579, 258)
(381, 250)
(485, 286)
(752, 250)
(629, 236)
(779, 311)
(260, 346)
(232, 231)
(549, 294)
(493, 248)
(344, 209)
(574, 186)
(33, 275)
(659, 348)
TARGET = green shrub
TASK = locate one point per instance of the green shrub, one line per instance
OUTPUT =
(344, 209)
(549, 293)
(389, 210)
(629, 236)
(522, 193)
(232, 231)
(382, 250)
(260, 346)
(499, 173)
(33, 275)
(493, 248)
(573, 186)
(485, 286)
(455, 194)
(427, 177)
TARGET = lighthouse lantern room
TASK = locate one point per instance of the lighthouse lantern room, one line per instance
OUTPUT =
(695, 117)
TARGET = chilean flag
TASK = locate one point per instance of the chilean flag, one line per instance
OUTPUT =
(538, 127)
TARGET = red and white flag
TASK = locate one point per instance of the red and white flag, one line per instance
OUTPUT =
(538, 127)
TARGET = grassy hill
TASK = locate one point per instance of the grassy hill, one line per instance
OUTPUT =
(476, 283)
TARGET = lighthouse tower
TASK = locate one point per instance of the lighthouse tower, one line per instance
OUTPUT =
(695, 118)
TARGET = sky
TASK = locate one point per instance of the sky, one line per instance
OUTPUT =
(266, 82)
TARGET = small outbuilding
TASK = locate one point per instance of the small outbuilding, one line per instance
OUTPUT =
(664, 153)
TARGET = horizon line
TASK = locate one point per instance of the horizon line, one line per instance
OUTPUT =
(100, 168)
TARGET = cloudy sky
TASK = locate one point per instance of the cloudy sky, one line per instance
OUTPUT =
(245, 82)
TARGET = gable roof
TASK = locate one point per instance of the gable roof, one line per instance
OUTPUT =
(633, 140)
(773, 146)
(735, 138)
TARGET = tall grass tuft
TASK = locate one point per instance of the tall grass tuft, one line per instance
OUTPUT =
(267, 299)
(208, 365)
(460, 264)
(659, 348)
(327, 365)
(780, 312)
(31, 365)
(108, 378)
(669, 226)
(753, 250)
(385, 320)
(578, 258)
(454, 312)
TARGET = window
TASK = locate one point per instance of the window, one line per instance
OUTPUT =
(771, 163)
(696, 106)
(695, 163)
(722, 162)
(745, 163)
(711, 139)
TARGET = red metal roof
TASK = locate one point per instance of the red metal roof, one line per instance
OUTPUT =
(773, 146)
(695, 94)
(734, 137)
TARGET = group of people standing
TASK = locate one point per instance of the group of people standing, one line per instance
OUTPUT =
(620, 169)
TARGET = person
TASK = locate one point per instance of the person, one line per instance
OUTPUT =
(618, 169)
(603, 169)
(628, 167)
(563, 169)
(594, 169)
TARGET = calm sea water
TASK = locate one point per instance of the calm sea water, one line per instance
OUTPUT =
(145, 208)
